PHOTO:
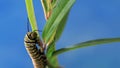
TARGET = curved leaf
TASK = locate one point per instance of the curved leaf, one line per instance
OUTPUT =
(54, 2)
(48, 6)
(44, 5)
(61, 27)
(53, 22)
(86, 44)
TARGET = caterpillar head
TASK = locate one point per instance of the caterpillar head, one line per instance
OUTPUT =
(32, 35)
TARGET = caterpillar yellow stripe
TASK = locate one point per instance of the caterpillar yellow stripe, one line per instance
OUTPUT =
(38, 58)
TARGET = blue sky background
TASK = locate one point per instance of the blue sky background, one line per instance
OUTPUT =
(88, 20)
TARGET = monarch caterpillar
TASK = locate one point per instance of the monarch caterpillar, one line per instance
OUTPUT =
(37, 55)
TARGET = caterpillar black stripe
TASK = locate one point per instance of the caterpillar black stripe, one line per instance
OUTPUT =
(38, 58)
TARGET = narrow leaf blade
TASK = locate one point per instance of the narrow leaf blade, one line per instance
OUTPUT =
(86, 44)
(61, 27)
(31, 15)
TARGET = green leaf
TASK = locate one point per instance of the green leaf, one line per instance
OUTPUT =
(31, 15)
(53, 60)
(61, 27)
(48, 6)
(57, 16)
(45, 7)
(86, 44)
(54, 3)
(50, 49)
